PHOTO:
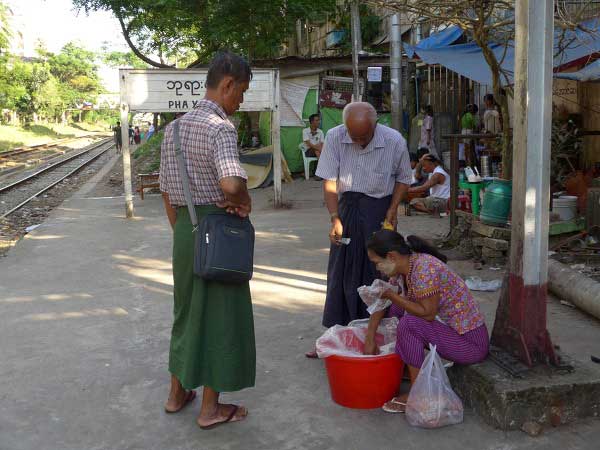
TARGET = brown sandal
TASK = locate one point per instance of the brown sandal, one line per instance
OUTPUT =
(216, 424)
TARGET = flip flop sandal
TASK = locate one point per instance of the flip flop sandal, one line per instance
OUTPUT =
(189, 397)
(394, 411)
(215, 425)
(312, 354)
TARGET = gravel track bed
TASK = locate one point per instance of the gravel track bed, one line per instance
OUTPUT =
(16, 225)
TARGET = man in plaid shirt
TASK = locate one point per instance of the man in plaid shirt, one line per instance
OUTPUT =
(212, 340)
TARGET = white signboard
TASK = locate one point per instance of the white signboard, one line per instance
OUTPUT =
(374, 74)
(171, 90)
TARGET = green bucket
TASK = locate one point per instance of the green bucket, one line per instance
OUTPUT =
(496, 203)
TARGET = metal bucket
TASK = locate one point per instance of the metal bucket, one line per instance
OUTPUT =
(485, 166)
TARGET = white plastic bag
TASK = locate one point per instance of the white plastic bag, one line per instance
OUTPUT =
(371, 295)
(477, 284)
(350, 340)
(432, 403)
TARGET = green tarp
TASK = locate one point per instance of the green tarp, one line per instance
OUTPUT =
(292, 136)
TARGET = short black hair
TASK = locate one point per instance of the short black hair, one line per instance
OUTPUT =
(432, 158)
(489, 97)
(227, 64)
(312, 117)
(422, 151)
(414, 157)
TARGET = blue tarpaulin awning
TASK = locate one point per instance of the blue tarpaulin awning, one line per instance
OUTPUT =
(441, 39)
(588, 73)
(468, 59)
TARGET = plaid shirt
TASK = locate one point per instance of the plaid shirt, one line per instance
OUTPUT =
(209, 144)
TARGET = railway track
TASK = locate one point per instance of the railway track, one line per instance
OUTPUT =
(22, 155)
(17, 194)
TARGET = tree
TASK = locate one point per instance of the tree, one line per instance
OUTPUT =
(121, 59)
(188, 32)
(5, 33)
(488, 22)
(76, 69)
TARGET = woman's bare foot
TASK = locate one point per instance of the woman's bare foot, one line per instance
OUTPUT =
(178, 400)
(221, 415)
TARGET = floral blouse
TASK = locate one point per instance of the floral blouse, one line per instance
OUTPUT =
(429, 276)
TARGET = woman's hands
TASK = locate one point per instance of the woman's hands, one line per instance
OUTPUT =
(371, 347)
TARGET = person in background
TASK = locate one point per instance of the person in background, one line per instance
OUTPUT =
(366, 171)
(476, 118)
(255, 140)
(438, 186)
(150, 131)
(118, 137)
(212, 339)
(433, 290)
(313, 137)
(468, 126)
(427, 131)
(130, 135)
(418, 175)
(414, 162)
(491, 117)
(137, 138)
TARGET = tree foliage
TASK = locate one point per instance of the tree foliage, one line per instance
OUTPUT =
(122, 59)
(4, 28)
(50, 84)
(165, 33)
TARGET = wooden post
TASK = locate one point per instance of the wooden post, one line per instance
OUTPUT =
(127, 185)
(276, 142)
(520, 325)
(453, 182)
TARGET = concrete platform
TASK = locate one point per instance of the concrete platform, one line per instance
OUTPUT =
(85, 317)
(544, 396)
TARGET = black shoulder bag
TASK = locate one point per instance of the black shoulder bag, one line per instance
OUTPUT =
(224, 243)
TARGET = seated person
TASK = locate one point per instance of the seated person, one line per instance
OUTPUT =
(418, 175)
(438, 183)
(433, 290)
(313, 137)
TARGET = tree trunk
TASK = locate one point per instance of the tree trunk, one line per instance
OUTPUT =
(502, 100)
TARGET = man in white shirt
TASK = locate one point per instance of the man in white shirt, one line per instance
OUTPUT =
(438, 184)
(313, 137)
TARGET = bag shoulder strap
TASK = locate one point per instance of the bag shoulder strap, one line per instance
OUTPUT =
(185, 181)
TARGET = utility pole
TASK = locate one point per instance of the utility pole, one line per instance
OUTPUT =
(396, 71)
(127, 183)
(520, 326)
(356, 50)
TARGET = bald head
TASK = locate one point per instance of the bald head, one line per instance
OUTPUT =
(360, 119)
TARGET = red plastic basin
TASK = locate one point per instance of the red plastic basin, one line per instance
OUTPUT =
(363, 382)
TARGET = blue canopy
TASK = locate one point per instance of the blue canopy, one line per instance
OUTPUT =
(442, 39)
(468, 59)
(588, 73)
